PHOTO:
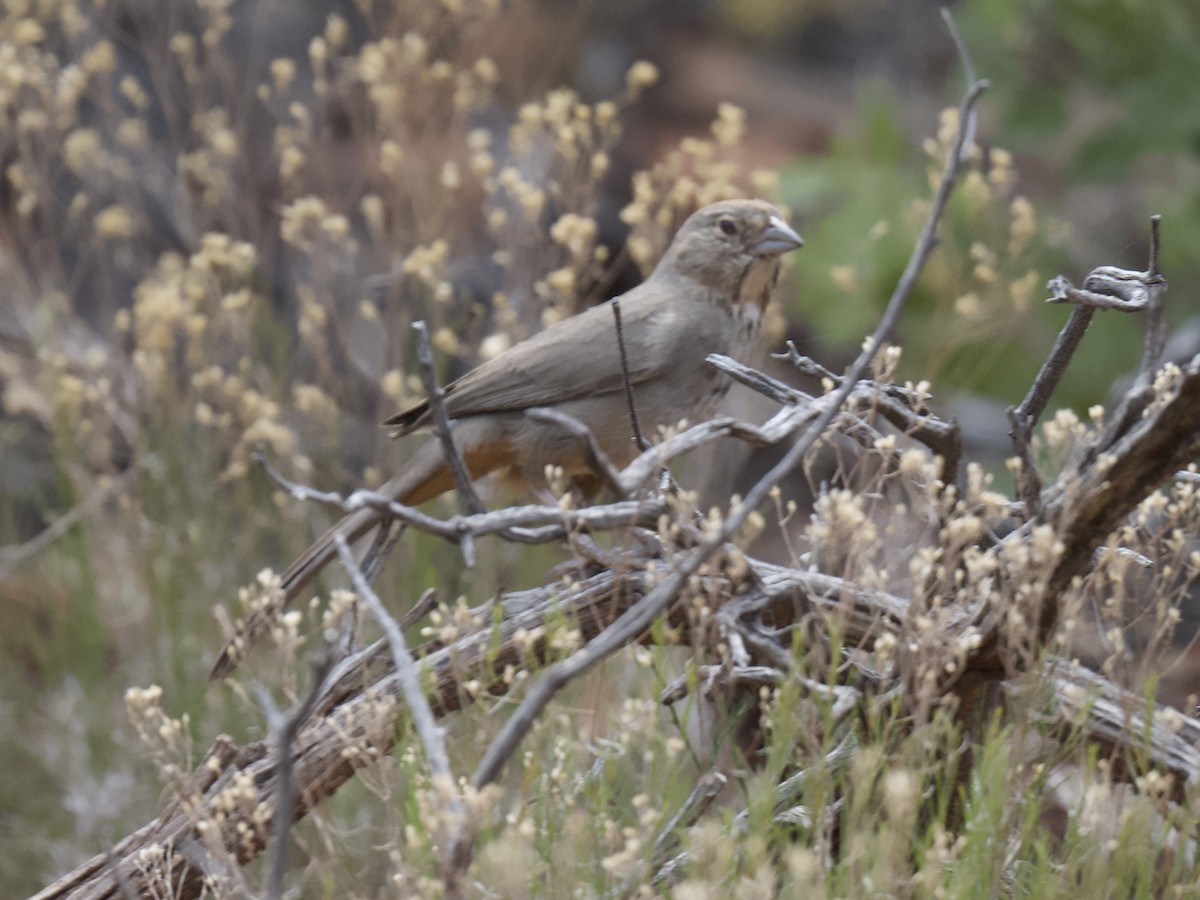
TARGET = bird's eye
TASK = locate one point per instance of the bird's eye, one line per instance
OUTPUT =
(727, 226)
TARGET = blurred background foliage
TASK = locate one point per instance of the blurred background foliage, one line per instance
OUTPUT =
(194, 231)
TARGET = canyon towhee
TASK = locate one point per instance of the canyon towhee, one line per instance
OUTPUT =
(706, 295)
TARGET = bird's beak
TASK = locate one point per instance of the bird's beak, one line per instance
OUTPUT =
(777, 239)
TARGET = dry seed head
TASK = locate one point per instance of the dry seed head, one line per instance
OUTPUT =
(1167, 380)
(915, 465)
(900, 790)
(390, 157)
(1169, 718)
(291, 161)
(969, 307)
(283, 72)
(561, 282)
(765, 182)
(984, 273)
(575, 232)
(493, 345)
(82, 151)
(1023, 226)
(1155, 785)
(301, 219)
(1021, 291)
(844, 278)
(100, 59)
(730, 125)
(974, 187)
(114, 222)
(371, 207)
(427, 262)
(27, 32)
(640, 76)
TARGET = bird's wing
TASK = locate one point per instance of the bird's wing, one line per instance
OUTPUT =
(574, 358)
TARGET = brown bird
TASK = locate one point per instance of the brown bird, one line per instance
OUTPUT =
(706, 295)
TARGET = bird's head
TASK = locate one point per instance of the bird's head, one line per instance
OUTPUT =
(728, 245)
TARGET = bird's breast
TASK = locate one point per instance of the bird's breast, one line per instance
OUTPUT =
(748, 325)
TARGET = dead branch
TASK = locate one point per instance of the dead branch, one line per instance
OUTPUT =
(1120, 723)
(1106, 287)
(1023, 418)
(1092, 499)
(903, 408)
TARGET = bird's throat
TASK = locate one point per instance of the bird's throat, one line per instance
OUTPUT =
(757, 284)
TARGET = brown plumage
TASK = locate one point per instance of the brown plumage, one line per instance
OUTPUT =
(706, 295)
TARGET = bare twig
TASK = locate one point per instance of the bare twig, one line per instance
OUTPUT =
(597, 459)
(807, 365)
(634, 424)
(385, 540)
(926, 240)
(708, 786)
(902, 407)
(407, 670)
(842, 699)
(1099, 293)
(708, 676)
(432, 736)
(284, 727)
(763, 384)
(964, 57)
(469, 501)
(785, 794)
(425, 604)
(531, 524)
(698, 802)
(1156, 322)
(1024, 417)
(12, 555)
(123, 885)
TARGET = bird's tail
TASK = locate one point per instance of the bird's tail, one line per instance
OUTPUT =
(424, 477)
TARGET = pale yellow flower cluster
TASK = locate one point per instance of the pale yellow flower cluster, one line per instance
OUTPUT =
(307, 223)
(554, 157)
(167, 739)
(695, 174)
(981, 287)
